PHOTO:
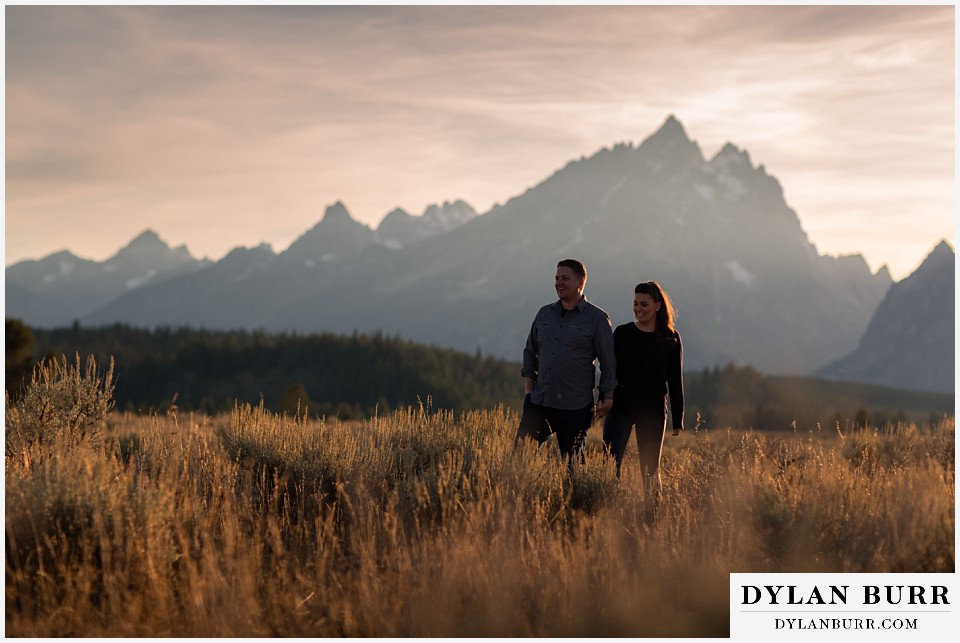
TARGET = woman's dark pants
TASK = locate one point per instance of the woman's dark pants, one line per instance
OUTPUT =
(650, 431)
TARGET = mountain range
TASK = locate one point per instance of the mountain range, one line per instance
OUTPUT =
(62, 287)
(748, 285)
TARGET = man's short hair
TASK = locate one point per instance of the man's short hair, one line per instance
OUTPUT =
(574, 265)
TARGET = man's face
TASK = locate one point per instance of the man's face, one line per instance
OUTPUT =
(568, 284)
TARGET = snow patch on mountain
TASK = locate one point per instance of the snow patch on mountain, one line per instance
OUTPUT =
(735, 187)
(136, 282)
(576, 239)
(705, 191)
(740, 273)
(616, 188)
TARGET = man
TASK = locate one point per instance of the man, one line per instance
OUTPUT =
(558, 373)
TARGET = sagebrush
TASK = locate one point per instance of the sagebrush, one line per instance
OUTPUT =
(63, 406)
(426, 523)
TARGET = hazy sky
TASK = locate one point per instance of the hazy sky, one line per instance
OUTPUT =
(226, 126)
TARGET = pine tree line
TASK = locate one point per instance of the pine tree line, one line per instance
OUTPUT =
(327, 374)
(360, 375)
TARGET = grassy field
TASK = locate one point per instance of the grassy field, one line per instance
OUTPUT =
(425, 523)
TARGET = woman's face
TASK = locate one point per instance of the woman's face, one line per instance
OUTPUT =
(645, 309)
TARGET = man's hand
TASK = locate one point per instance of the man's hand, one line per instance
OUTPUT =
(602, 408)
(528, 385)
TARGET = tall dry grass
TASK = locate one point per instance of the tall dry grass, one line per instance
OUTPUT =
(423, 523)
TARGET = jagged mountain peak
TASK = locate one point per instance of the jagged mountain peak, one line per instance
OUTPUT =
(943, 249)
(145, 238)
(336, 235)
(671, 133)
(264, 249)
(261, 248)
(398, 212)
(432, 210)
(937, 260)
(458, 210)
(62, 255)
(148, 246)
(337, 212)
(337, 219)
(399, 228)
(671, 141)
(672, 128)
(397, 217)
(437, 207)
(730, 154)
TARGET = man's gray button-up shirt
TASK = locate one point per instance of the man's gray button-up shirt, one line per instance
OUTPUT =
(560, 353)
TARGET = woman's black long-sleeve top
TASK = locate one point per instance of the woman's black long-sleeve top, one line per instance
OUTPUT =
(647, 364)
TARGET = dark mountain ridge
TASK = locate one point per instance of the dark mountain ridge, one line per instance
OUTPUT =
(910, 340)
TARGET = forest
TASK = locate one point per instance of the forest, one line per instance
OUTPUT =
(361, 376)
(208, 371)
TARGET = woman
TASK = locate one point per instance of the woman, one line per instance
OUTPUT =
(649, 361)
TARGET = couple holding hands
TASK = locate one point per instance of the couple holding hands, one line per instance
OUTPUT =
(640, 364)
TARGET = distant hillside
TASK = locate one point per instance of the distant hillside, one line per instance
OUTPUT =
(910, 341)
(740, 397)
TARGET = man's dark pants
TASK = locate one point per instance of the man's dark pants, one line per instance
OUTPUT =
(570, 425)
